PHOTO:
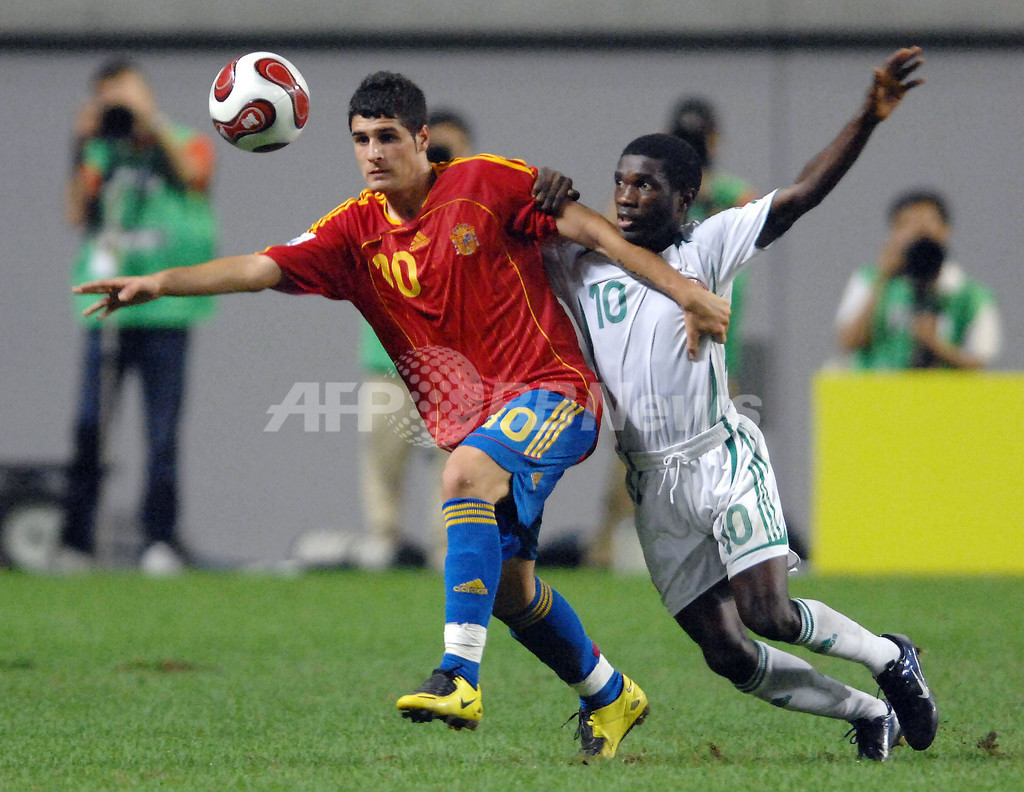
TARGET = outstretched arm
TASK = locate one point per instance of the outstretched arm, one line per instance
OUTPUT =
(706, 313)
(253, 272)
(825, 170)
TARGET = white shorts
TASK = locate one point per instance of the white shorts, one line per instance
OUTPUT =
(709, 518)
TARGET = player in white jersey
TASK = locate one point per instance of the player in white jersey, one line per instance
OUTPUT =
(707, 507)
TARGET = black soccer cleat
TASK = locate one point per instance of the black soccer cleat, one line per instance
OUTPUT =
(875, 737)
(904, 686)
(601, 730)
(447, 697)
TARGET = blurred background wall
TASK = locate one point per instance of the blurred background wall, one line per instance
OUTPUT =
(454, 17)
(564, 85)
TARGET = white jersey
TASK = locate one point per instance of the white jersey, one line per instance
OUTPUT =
(635, 337)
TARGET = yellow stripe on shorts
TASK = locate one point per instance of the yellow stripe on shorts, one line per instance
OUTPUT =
(556, 423)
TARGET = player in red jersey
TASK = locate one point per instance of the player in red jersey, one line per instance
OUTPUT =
(444, 263)
(405, 277)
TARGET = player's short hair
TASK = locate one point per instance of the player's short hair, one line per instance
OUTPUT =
(115, 67)
(450, 117)
(693, 119)
(679, 159)
(386, 94)
(920, 196)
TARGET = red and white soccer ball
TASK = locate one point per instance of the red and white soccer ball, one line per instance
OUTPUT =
(259, 102)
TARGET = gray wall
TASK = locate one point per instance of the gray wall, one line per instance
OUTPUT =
(248, 492)
(459, 17)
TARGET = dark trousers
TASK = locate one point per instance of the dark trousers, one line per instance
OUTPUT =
(158, 357)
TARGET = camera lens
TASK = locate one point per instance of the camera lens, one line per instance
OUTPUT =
(923, 259)
(116, 122)
(439, 153)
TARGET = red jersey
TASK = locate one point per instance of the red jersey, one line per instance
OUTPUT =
(457, 296)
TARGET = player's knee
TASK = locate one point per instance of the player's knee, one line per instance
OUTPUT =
(473, 476)
(731, 657)
(771, 619)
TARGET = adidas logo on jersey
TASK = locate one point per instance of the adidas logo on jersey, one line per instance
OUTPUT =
(419, 241)
(472, 587)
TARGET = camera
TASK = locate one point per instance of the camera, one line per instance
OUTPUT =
(438, 153)
(923, 259)
(116, 123)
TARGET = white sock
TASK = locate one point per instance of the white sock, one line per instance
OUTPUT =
(829, 632)
(595, 680)
(786, 681)
(465, 640)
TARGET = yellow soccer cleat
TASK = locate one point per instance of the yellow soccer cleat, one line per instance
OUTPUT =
(600, 731)
(444, 696)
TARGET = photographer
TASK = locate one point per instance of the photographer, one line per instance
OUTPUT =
(138, 190)
(915, 308)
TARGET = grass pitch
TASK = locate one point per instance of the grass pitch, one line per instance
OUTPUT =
(248, 682)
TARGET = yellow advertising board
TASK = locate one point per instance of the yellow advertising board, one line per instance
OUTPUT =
(918, 472)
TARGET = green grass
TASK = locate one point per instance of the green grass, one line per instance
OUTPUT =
(245, 682)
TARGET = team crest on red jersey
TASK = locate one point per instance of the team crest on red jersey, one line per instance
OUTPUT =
(464, 237)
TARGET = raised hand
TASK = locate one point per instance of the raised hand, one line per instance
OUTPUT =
(891, 83)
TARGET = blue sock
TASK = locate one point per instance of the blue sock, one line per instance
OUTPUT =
(551, 630)
(472, 569)
(606, 695)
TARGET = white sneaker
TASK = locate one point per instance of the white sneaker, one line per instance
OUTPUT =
(373, 553)
(161, 560)
(69, 561)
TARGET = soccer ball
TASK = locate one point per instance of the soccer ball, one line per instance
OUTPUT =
(259, 102)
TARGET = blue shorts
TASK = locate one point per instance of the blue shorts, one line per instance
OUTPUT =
(535, 437)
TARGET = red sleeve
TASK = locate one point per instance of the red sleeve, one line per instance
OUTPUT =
(200, 153)
(508, 183)
(318, 262)
(532, 222)
(92, 180)
(514, 184)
